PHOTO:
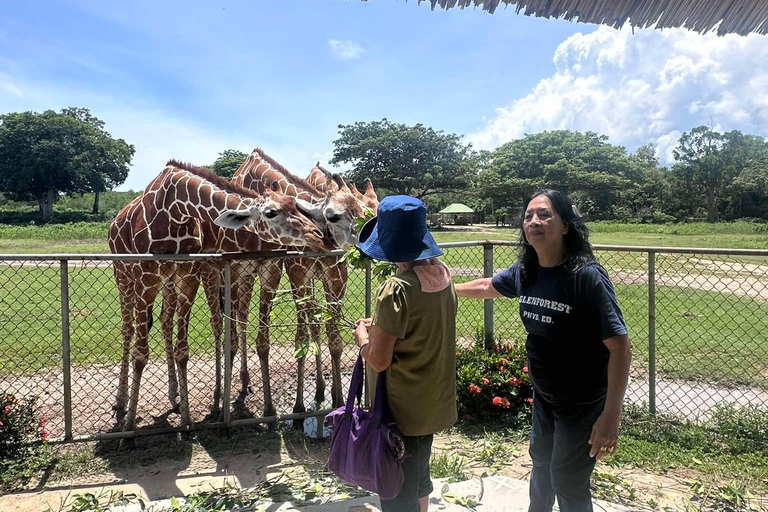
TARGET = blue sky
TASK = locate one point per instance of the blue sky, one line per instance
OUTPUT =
(188, 79)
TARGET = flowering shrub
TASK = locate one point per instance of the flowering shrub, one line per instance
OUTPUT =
(492, 383)
(22, 434)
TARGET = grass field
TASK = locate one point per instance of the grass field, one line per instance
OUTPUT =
(90, 237)
(701, 333)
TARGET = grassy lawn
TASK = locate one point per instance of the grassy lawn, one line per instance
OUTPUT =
(700, 334)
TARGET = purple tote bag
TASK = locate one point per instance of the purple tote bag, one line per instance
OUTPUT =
(366, 447)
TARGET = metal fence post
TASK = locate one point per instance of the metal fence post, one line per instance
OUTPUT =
(367, 288)
(65, 354)
(366, 391)
(227, 342)
(488, 303)
(652, 332)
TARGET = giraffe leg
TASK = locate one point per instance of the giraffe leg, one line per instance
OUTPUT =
(315, 331)
(245, 281)
(335, 286)
(211, 277)
(300, 288)
(150, 286)
(187, 289)
(270, 280)
(127, 306)
(167, 312)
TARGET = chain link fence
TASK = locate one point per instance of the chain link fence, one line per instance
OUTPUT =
(698, 320)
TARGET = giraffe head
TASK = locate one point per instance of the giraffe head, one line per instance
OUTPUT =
(370, 199)
(336, 214)
(275, 218)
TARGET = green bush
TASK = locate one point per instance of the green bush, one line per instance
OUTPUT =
(493, 383)
(23, 435)
(743, 429)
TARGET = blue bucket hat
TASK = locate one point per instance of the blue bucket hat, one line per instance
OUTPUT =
(399, 232)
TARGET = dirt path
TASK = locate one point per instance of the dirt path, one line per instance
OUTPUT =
(93, 390)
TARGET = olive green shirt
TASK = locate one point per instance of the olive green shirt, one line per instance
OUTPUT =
(421, 381)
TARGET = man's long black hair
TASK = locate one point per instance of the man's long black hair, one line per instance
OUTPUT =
(578, 250)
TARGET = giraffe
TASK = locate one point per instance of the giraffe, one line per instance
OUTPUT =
(335, 212)
(368, 198)
(166, 219)
(322, 179)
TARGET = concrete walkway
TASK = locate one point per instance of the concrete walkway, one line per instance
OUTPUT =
(493, 494)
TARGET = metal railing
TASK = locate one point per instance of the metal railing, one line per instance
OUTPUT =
(698, 319)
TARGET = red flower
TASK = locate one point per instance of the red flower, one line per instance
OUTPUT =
(501, 368)
(44, 435)
(529, 401)
(500, 402)
(525, 369)
(474, 389)
(466, 417)
(1, 423)
(514, 381)
(486, 382)
(7, 409)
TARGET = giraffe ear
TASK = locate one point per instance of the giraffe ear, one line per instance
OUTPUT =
(235, 219)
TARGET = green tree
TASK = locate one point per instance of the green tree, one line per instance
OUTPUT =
(414, 160)
(228, 162)
(562, 159)
(46, 154)
(712, 160)
(105, 163)
(701, 152)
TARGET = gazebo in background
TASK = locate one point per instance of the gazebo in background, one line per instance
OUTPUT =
(729, 16)
(459, 213)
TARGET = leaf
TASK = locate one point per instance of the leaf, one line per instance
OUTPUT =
(697, 461)
(301, 351)
(174, 503)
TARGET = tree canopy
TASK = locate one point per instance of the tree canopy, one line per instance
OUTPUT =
(46, 154)
(414, 160)
(228, 162)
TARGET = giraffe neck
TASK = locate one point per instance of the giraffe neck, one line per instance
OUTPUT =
(186, 195)
(257, 173)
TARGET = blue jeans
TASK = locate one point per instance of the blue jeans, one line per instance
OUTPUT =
(560, 452)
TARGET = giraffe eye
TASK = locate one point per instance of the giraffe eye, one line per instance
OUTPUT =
(334, 218)
(270, 213)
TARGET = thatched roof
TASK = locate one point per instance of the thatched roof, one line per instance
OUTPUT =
(737, 16)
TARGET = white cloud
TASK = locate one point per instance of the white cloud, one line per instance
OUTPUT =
(8, 86)
(643, 87)
(345, 50)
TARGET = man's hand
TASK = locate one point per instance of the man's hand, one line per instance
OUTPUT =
(605, 435)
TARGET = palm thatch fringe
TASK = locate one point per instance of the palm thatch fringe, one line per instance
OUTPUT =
(729, 16)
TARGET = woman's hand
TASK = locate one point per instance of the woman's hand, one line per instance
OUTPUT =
(605, 435)
(361, 331)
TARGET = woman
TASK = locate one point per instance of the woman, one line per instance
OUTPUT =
(577, 345)
(412, 337)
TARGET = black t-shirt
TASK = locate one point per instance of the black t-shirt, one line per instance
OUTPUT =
(567, 316)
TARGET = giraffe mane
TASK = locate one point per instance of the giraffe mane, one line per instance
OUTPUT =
(292, 178)
(214, 178)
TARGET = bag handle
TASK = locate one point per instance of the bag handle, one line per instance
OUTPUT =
(355, 387)
(356, 390)
(380, 401)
